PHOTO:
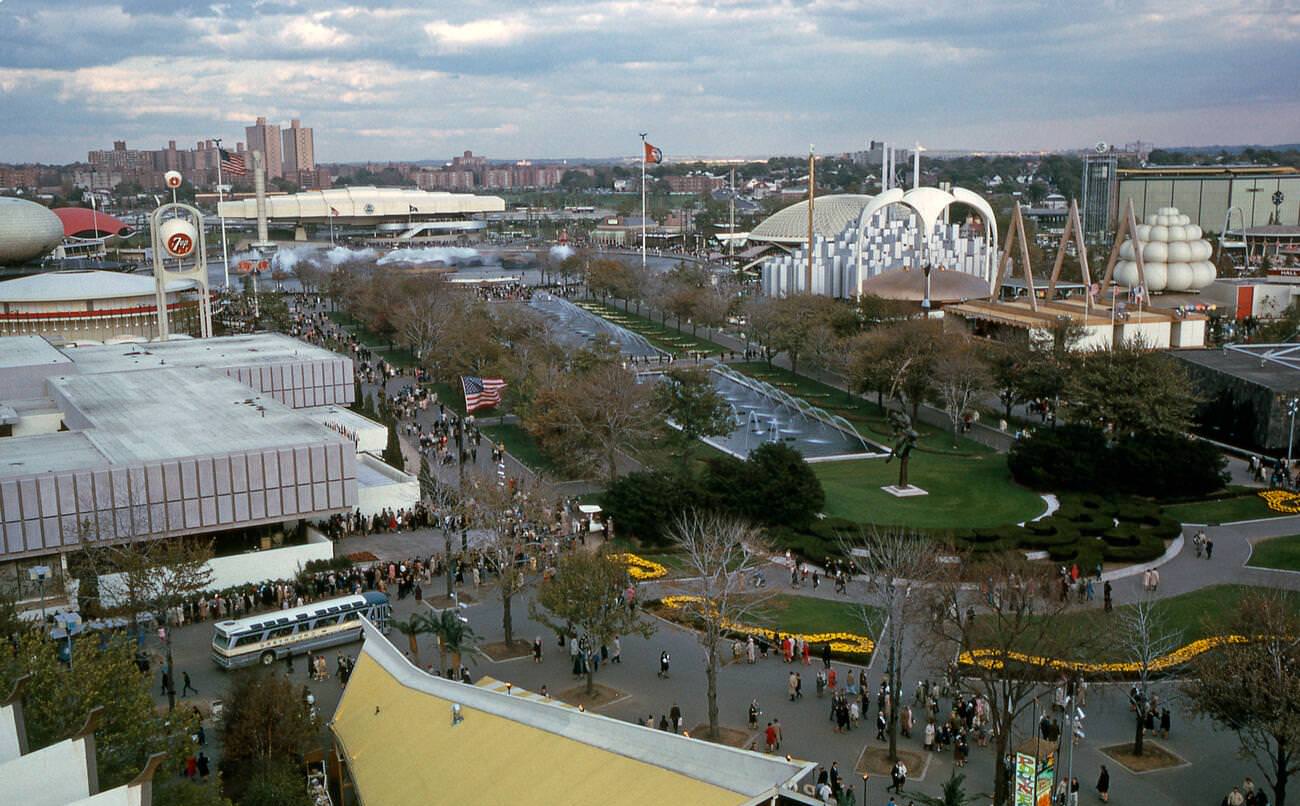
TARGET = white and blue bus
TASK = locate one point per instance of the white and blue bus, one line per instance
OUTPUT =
(268, 637)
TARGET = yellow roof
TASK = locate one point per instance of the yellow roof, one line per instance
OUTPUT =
(401, 747)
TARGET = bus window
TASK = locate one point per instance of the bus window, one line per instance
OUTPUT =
(326, 621)
(280, 632)
(245, 640)
(353, 616)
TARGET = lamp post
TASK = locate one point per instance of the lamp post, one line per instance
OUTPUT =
(1292, 407)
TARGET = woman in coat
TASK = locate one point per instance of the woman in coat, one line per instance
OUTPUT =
(1103, 784)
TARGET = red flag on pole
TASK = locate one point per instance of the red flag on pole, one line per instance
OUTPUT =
(653, 154)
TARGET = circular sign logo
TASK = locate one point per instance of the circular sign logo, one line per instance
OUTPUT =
(178, 237)
(180, 244)
(173, 179)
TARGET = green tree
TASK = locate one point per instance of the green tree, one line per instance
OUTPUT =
(689, 399)
(393, 450)
(413, 627)
(774, 486)
(454, 636)
(1130, 390)
(58, 697)
(585, 594)
(952, 794)
(281, 783)
(151, 576)
(266, 723)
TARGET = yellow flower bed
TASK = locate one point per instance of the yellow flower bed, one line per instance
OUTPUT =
(843, 643)
(1281, 500)
(989, 658)
(641, 569)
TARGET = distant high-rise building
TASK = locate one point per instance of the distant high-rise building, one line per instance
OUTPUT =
(298, 150)
(265, 137)
(1100, 194)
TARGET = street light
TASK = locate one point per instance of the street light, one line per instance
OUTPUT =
(1292, 407)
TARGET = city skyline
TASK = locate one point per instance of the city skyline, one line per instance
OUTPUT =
(397, 82)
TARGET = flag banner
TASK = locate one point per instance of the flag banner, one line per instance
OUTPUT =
(334, 211)
(653, 154)
(233, 164)
(481, 393)
(413, 208)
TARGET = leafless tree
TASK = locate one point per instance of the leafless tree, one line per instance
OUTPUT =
(897, 567)
(1145, 637)
(418, 314)
(721, 552)
(512, 518)
(960, 377)
(1017, 618)
(1253, 687)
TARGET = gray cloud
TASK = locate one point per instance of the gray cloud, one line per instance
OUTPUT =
(404, 80)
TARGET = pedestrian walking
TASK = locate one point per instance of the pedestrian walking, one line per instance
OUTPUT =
(664, 661)
(1209, 548)
(753, 714)
(897, 777)
(1103, 784)
(187, 686)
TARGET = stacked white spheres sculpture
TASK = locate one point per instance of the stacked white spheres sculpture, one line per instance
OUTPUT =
(1174, 255)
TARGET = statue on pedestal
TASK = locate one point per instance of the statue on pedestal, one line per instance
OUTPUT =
(905, 438)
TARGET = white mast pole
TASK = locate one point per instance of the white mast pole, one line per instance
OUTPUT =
(643, 213)
(225, 256)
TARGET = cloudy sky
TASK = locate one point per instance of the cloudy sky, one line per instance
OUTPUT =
(580, 78)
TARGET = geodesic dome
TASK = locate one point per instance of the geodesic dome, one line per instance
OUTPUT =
(1174, 255)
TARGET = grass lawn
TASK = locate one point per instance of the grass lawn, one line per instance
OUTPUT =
(664, 336)
(1282, 553)
(870, 421)
(521, 445)
(805, 614)
(1225, 510)
(378, 345)
(1191, 616)
(964, 492)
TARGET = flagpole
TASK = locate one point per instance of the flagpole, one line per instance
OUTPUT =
(643, 134)
(330, 210)
(225, 257)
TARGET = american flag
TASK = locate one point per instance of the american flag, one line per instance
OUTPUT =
(481, 393)
(233, 164)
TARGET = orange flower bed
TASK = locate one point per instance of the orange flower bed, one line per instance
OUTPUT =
(641, 569)
(1281, 500)
(844, 643)
(989, 658)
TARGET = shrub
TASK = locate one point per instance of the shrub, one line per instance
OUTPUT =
(1076, 457)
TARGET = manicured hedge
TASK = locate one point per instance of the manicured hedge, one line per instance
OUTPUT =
(1086, 530)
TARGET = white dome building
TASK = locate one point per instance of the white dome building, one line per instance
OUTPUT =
(94, 306)
(1174, 255)
(28, 231)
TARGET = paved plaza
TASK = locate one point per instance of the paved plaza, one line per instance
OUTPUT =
(1212, 765)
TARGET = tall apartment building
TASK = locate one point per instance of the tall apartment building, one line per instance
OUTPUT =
(265, 137)
(298, 151)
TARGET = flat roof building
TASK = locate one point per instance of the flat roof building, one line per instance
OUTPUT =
(150, 441)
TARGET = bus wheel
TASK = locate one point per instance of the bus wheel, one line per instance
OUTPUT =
(268, 658)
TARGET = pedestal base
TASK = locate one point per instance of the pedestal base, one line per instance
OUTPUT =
(904, 492)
